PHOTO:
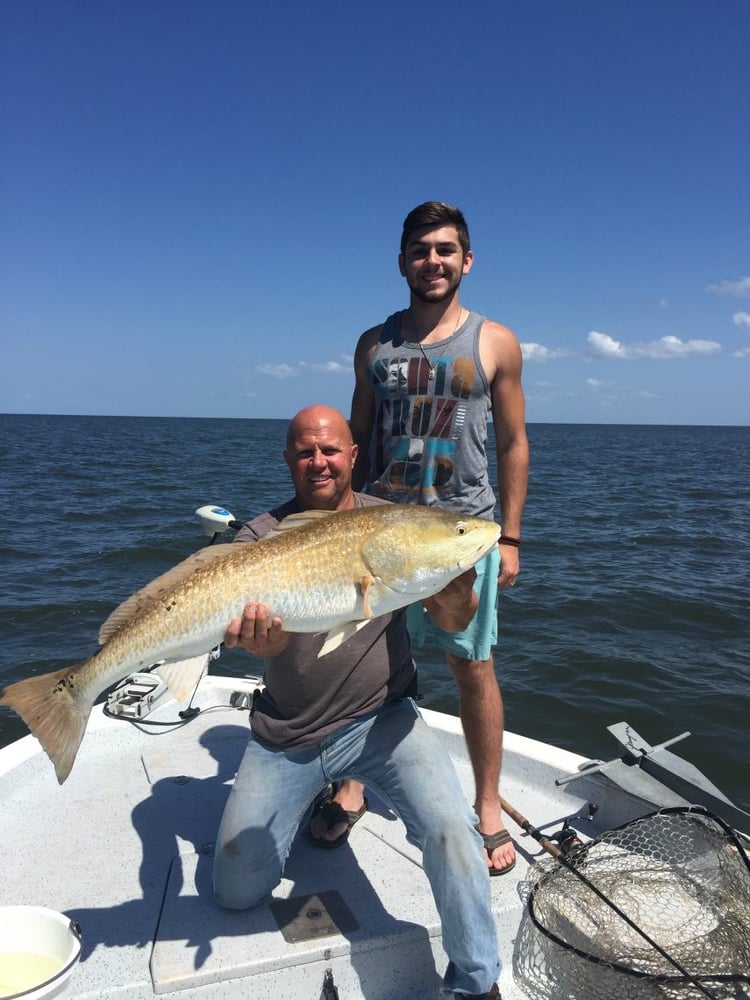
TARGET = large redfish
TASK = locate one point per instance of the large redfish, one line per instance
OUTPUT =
(332, 573)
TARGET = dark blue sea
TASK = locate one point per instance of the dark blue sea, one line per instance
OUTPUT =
(632, 602)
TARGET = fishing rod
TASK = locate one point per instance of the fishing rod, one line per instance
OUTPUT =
(560, 856)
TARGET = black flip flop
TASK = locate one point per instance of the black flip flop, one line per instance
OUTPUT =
(334, 814)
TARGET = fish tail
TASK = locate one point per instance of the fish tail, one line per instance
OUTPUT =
(56, 708)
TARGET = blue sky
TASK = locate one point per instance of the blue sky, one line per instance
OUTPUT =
(201, 202)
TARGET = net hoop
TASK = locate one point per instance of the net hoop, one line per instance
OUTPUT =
(581, 858)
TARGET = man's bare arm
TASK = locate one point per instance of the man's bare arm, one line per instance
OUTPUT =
(363, 406)
(501, 355)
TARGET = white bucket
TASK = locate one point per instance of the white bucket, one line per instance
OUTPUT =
(39, 949)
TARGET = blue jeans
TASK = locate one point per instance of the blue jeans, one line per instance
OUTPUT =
(394, 752)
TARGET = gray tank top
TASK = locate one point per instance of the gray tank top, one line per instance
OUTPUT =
(429, 437)
(306, 698)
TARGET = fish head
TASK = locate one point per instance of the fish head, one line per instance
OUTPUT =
(419, 550)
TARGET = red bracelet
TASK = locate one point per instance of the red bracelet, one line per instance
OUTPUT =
(509, 540)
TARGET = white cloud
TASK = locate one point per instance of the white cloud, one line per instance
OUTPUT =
(278, 371)
(537, 352)
(744, 353)
(601, 345)
(327, 367)
(739, 288)
(283, 371)
(604, 346)
(611, 390)
(741, 319)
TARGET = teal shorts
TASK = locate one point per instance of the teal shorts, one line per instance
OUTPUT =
(476, 641)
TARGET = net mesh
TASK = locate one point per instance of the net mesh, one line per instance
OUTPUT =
(680, 875)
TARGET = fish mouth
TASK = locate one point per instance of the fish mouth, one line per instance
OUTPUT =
(479, 553)
(460, 564)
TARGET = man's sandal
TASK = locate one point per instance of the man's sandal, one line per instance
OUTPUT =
(491, 842)
(334, 815)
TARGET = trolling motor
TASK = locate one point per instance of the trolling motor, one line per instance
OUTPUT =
(644, 770)
(216, 520)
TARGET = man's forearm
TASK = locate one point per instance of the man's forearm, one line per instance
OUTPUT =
(512, 478)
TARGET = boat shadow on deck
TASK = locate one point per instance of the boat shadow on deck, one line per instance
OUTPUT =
(328, 898)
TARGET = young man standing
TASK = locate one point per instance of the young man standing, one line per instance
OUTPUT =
(426, 381)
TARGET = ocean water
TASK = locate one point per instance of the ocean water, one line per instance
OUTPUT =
(632, 602)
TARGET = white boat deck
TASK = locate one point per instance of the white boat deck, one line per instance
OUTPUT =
(124, 848)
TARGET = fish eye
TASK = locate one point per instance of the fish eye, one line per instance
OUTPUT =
(461, 527)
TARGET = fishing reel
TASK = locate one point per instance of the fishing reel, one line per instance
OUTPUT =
(567, 838)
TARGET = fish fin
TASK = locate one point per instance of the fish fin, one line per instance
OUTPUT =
(337, 636)
(142, 598)
(183, 676)
(56, 709)
(365, 583)
(300, 520)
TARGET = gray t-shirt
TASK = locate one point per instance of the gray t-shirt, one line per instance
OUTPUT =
(306, 698)
(429, 434)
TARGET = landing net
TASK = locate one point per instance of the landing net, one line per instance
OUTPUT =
(682, 879)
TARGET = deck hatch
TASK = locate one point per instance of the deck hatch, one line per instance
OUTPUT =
(306, 918)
